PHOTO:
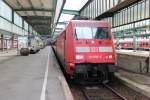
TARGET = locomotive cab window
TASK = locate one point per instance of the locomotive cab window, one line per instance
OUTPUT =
(91, 33)
(101, 33)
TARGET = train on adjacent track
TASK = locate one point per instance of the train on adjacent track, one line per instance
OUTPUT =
(140, 44)
(86, 50)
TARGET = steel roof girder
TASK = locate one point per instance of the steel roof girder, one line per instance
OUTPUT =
(71, 12)
(61, 23)
(34, 9)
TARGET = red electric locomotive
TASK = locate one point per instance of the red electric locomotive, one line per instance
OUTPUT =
(86, 50)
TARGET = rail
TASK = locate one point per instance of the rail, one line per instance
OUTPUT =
(99, 96)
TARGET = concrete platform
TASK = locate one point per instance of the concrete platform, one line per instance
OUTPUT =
(133, 61)
(138, 82)
(33, 77)
(133, 53)
(8, 54)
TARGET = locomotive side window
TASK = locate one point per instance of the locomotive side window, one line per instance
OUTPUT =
(91, 33)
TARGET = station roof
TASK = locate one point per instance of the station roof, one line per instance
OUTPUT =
(38, 13)
(70, 10)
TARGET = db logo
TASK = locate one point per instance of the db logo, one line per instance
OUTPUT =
(94, 49)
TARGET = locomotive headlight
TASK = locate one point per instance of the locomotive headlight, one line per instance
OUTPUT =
(110, 56)
(92, 42)
(79, 56)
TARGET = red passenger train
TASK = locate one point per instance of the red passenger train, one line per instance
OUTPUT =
(141, 44)
(86, 50)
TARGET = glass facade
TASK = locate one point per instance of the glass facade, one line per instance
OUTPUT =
(129, 21)
(11, 26)
(18, 20)
(5, 11)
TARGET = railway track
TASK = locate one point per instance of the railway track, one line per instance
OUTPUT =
(115, 92)
(101, 92)
(111, 91)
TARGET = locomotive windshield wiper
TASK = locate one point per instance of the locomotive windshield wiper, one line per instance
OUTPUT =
(76, 35)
